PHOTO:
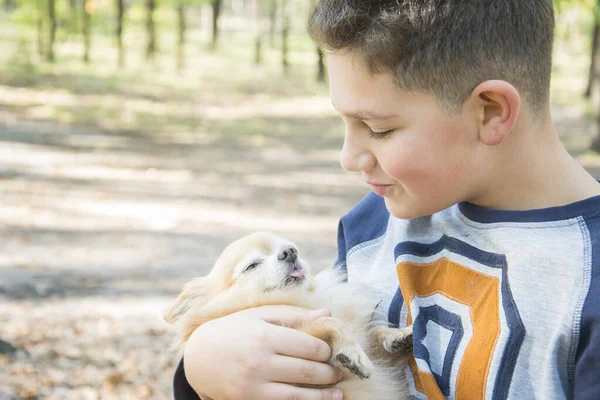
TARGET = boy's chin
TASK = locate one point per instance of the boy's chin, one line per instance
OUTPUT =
(406, 209)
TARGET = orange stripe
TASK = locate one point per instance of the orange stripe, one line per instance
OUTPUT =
(465, 286)
(425, 383)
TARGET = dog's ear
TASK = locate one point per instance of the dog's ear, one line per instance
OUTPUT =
(194, 294)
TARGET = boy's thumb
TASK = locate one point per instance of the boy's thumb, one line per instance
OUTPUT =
(291, 316)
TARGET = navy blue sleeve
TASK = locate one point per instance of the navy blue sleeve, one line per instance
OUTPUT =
(341, 247)
(368, 220)
(181, 387)
(586, 382)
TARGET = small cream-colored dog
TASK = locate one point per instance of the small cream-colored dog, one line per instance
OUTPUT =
(264, 269)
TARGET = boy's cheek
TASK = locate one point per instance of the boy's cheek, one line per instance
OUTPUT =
(407, 168)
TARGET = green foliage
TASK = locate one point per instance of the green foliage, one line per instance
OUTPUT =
(562, 4)
(27, 13)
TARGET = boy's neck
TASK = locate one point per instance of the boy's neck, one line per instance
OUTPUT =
(533, 170)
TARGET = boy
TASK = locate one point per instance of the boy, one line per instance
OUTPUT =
(482, 230)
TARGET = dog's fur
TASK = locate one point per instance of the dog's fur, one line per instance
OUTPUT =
(263, 269)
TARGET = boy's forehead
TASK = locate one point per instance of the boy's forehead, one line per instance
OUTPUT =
(356, 93)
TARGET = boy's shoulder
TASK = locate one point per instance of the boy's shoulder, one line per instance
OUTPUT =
(371, 217)
(369, 221)
(366, 221)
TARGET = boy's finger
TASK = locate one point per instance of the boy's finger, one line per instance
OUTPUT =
(298, 371)
(278, 391)
(290, 316)
(293, 343)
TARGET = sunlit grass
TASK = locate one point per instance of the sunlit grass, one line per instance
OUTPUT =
(219, 92)
(215, 86)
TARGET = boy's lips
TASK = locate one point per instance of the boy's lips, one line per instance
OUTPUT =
(378, 188)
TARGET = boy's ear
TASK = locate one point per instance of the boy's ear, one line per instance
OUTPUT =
(498, 104)
(195, 293)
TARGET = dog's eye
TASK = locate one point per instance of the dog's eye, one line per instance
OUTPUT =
(251, 266)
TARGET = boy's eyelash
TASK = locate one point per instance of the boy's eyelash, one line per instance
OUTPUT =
(379, 135)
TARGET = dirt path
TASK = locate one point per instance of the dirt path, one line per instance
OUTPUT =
(100, 229)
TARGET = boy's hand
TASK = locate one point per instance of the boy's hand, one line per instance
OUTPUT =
(252, 354)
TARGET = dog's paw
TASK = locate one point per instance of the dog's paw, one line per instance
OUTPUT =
(354, 359)
(398, 341)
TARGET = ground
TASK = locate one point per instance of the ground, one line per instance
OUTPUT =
(118, 187)
(101, 228)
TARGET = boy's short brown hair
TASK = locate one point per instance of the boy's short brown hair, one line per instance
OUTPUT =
(445, 47)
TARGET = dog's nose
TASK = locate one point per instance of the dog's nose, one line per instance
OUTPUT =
(289, 254)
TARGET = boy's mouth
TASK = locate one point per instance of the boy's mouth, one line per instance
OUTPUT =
(378, 189)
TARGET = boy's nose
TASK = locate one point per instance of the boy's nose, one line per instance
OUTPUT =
(356, 159)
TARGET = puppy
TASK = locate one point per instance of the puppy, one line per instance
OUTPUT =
(264, 269)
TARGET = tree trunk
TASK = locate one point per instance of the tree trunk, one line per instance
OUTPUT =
(285, 31)
(593, 89)
(119, 32)
(74, 16)
(320, 58)
(9, 5)
(320, 65)
(40, 28)
(52, 33)
(258, 33)
(87, 15)
(216, 5)
(151, 46)
(272, 22)
(594, 73)
(181, 36)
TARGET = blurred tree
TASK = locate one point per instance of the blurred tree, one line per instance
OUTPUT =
(593, 87)
(88, 6)
(181, 8)
(181, 30)
(150, 32)
(320, 57)
(9, 5)
(594, 74)
(216, 7)
(52, 28)
(592, 90)
(320, 65)
(119, 32)
(256, 5)
(73, 10)
(272, 21)
(285, 33)
(40, 28)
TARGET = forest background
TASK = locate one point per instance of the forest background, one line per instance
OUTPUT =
(139, 137)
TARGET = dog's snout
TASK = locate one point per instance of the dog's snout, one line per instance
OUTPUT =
(290, 254)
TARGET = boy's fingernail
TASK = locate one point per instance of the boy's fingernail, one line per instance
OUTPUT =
(338, 395)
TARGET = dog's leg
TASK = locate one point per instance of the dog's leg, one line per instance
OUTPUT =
(346, 353)
(393, 340)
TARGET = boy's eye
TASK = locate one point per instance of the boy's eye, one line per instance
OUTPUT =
(379, 135)
(251, 266)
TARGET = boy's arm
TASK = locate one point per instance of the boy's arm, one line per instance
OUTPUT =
(266, 360)
(586, 380)
(181, 387)
(586, 384)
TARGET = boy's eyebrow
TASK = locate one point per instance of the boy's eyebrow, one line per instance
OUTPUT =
(367, 115)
